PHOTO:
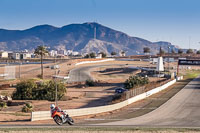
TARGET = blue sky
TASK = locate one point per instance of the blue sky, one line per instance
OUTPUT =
(176, 21)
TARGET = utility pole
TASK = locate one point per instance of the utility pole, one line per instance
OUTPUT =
(168, 60)
(56, 95)
(56, 99)
(20, 63)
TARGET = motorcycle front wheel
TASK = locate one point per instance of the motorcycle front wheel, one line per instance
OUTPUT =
(58, 120)
(70, 121)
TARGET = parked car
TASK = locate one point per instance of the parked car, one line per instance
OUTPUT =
(120, 90)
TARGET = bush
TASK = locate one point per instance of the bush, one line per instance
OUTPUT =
(103, 54)
(135, 81)
(29, 90)
(89, 83)
(87, 56)
(24, 90)
(28, 107)
(51, 90)
(92, 55)
(3, 105)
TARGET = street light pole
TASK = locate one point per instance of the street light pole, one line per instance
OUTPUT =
(56, 99)
(56, 96)
(168, 60)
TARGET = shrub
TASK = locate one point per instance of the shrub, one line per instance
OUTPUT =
(3, 105)
(89, 83)
(51, 90)
(113, 53)
(87, 56)
(135, 81)
(92, 55)
(24, 90)
(103, 54)
(29, 90)
(28, 107)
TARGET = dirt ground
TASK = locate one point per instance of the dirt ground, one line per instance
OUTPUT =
(137, 131)
(77, 96)
(99, 131)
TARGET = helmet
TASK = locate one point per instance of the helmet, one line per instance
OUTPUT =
(52, 106)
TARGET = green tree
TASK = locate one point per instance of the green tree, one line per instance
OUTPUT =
(41, 51)
(87, 56)
(113, 53)
(198, 52)
(103, 54)
(135, 81)
(24, 90)
(29, 90)
(92, 55)
(146, 50)
(180, 51)
(189, 51)
(51, 91)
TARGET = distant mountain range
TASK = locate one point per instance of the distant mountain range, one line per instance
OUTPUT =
(78, 37)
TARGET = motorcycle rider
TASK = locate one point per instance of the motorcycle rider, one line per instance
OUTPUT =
(54, 108)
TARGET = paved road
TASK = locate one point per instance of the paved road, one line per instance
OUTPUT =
(83, 73)
(182, 110)
(80, 74)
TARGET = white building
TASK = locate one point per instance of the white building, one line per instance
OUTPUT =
(75, 53)
(160, 66)
(62, 52)
(99, 56)
(21, 55)
(53, 53)
(122, 54)
(3, 54)
(69, 52)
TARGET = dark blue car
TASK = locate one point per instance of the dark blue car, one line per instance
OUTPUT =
(120, 90)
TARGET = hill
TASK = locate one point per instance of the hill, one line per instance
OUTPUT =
(77, 37)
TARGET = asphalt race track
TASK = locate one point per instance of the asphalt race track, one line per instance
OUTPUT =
(182, 110)
(81, 74)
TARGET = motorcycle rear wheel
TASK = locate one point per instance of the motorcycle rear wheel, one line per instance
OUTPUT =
(70, 121)
(58, 120)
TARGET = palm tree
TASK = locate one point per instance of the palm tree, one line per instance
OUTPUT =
(41, 51)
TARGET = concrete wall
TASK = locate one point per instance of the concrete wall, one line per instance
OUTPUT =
(86, 62)
(44, 115)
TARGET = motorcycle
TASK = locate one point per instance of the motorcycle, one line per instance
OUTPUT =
(61, 117)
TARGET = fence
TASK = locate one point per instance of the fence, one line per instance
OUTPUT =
(140, 90)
